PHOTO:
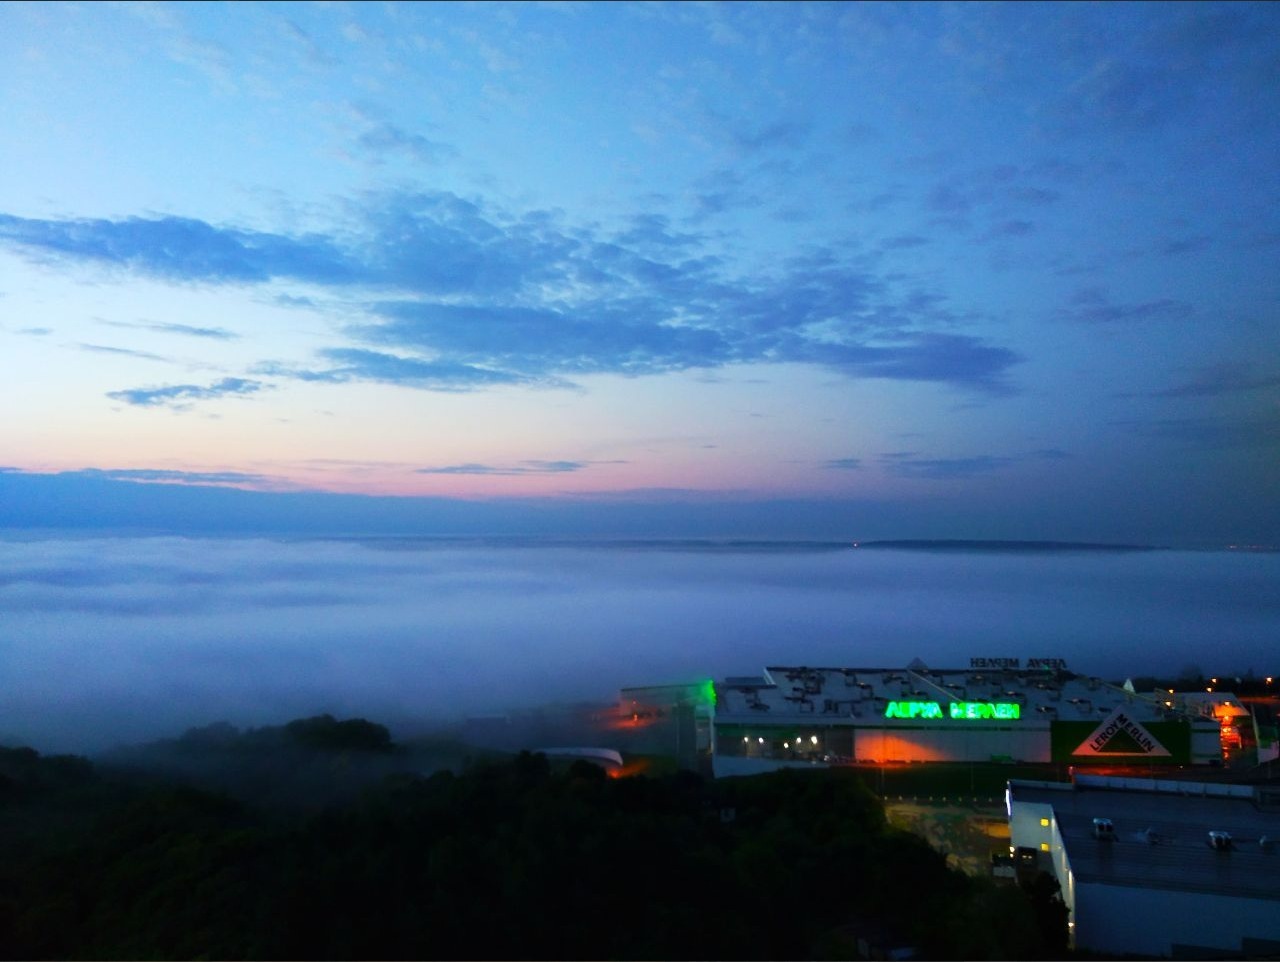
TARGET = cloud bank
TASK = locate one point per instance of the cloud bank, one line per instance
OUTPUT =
(456, 295)
(130, 638)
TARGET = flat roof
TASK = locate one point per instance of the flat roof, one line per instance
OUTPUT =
(1162, 834)
(852, 696)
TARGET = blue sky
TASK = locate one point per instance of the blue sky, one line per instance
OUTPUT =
(854, 270)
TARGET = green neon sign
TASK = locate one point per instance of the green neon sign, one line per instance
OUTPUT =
(913, 709)
(985, 709)
(965, 710)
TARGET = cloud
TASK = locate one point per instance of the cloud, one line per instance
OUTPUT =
(904, 241)
(353, 364)
(166, 476)
(626, 338)
(1094, 306)
(1208, 432)
(187, 330)
(178, 394)
(908, 464)
(1228, 378)
(182, 249)
(34, 331)
(384, 137)
(1197, 60)
(183, 47)
(311, 51)
(522, 467)
(1185, 245)
(1004, 188)
(905, 464)
(942, 358)
(1012, 228)
(780, 133)
(655, 231)
(470, 296)
(124, 351)
(843, 464)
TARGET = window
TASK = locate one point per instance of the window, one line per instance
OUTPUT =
(1044, 846)
(1044, 823)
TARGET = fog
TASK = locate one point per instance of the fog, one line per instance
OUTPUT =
(109, 640)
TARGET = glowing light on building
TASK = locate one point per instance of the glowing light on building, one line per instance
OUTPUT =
(963, 710)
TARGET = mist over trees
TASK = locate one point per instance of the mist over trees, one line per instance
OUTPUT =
(138, 857)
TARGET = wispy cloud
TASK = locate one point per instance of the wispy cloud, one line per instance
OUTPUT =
(843, 464)
(1003, 187)
(519, 468)
(166, 476)
(909, 464)
(906, 464)
(353, 364)
(123, 351)
(1012, 228)
(179, 395)
(1160, 79)
(1095, 306)
(780, 133)
(180, 248)
(384, 138)
(187, 330)
(311, 51)
(477, 296)
(904, 241)
(1207, 432)
(1185, 245)
(1219, 379)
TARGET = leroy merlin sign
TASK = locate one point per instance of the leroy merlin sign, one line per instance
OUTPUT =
(1120, 737)
(968, 710)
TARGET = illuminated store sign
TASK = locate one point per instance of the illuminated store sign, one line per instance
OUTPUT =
(1033, 664)
(966, 710)
(985, 709)
(1118, 734)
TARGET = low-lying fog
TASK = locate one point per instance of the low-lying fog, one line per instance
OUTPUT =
(109, 640)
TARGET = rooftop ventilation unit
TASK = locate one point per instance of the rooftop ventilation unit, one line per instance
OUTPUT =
(1220, 841)
(1104, 830)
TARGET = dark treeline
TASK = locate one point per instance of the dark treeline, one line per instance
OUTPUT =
(498, 859)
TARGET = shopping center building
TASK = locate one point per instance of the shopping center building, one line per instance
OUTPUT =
(997, 709)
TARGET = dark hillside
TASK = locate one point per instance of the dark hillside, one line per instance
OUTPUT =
(499, 860)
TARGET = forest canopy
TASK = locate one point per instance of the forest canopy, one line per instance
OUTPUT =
(186, 849)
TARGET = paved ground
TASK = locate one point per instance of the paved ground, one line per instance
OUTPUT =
(966, 833)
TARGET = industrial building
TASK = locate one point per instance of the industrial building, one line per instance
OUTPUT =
(1158, 868)
(997, 709)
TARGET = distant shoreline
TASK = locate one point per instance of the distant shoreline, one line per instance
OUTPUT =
(1022, 546)
(707, 544)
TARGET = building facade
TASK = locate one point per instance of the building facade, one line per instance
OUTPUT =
(992, 711)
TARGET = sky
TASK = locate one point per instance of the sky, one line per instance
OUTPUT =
(777, 270)
(122, 639)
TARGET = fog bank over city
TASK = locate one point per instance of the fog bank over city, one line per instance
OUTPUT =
(110, 640)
